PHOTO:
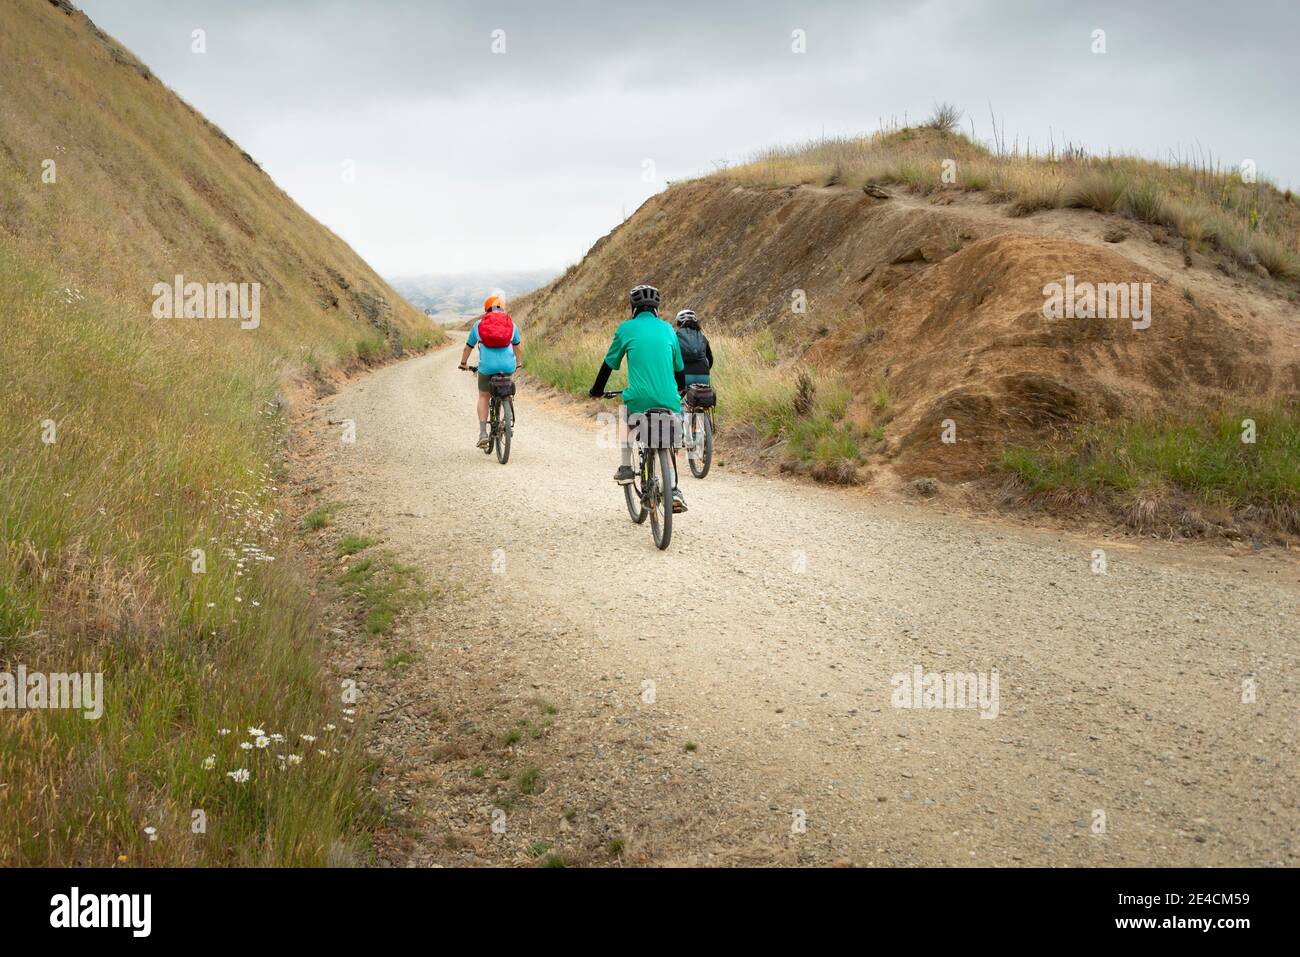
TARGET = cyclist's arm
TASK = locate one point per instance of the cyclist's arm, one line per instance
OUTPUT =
(613, 359)
(470, 342)
(708, 352)
(514, 344)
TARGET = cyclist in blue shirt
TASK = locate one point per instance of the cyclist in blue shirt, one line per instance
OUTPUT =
(491, 360)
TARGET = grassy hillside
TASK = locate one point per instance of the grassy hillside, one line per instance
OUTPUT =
(127, 442)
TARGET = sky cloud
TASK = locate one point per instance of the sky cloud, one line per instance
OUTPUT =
(468, 160)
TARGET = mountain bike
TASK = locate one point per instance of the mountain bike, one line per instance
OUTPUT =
(501, 414)
(697, 404)
(650, 494)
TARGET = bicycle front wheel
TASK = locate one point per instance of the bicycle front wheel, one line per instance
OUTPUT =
(700, 454)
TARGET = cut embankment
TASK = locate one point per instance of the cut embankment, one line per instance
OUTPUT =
(916, 335)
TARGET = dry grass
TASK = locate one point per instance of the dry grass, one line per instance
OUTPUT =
(1202, 201)
(759, 395)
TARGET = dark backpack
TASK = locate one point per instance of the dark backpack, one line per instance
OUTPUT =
(694, 345)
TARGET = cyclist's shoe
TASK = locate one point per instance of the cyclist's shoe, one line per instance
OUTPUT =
(484, 440)
(624, 475)
(679, 503)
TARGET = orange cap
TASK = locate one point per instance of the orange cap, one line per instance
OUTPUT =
(492, 301)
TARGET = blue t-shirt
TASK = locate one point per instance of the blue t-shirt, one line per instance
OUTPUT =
(494, 361)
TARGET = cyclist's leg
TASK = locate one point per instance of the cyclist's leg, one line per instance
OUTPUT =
(670, 480)
(484, 387)
(624, 474)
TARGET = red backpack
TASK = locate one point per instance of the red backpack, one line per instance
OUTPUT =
(496, 330)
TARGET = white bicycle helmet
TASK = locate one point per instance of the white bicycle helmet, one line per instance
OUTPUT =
(645, 297)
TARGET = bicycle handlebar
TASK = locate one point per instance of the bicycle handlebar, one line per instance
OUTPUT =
(470, 368)
(612, 395)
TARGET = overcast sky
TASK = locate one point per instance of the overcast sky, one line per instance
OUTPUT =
(467, 159)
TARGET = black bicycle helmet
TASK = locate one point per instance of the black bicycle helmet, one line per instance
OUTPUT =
(645, 297)
(687, 318)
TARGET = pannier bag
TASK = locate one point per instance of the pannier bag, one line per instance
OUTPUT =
(502, 386)
(701, 396)
(496, 330)
(657, 429)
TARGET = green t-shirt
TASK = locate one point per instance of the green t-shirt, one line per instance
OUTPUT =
(653, 356)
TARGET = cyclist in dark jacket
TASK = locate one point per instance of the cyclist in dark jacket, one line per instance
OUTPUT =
(697, 354)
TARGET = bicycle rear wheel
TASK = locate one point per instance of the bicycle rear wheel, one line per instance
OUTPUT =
(700, 453)
(661, 497)
(506, 428)
(632, 494)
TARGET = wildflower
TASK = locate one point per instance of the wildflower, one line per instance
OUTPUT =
(263, 740)
(121, 858)
(223, 732)
(239, 776)
(277, 738)
(329, 727)
(295, 759)
(245, 746)
(152, 832)
(255, 732)
(209, 762)
(309, 738)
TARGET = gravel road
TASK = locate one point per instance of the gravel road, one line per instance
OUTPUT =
(732, 700)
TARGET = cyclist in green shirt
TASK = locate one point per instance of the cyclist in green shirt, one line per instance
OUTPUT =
(654, 357)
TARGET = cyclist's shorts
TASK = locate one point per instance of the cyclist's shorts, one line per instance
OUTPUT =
(697, 379)
(484, 383)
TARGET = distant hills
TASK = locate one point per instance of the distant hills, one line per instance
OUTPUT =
(452, 298)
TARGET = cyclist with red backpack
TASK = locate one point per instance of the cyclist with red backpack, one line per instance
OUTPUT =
(497, 338)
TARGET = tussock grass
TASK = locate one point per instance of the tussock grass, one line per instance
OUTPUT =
(1195, 196)
(1102, 190)
(1203, 457)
